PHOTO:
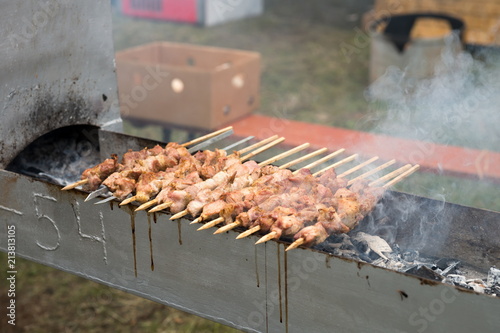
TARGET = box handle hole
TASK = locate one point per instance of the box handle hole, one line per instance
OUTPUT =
(177, 85)
(238, 81)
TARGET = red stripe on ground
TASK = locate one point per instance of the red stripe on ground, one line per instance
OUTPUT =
(450, 160)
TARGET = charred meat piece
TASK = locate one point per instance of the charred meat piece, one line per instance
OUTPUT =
(97, 174)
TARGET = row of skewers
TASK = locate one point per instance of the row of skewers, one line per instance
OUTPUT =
(216, 188)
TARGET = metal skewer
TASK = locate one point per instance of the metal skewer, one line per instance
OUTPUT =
(102, 190)
(238, 143)
(105, 200)
(210, 141)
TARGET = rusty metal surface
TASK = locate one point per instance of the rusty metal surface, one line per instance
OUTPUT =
(253, 288)
(56, 69)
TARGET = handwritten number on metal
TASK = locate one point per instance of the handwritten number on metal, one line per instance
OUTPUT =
(40, 216)
(11, 210)
(101, 239)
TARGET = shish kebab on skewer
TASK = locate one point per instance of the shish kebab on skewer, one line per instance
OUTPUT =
(149, 170)
(276, 184)
(96, 175)
(177, 200)
(269, 176)
(312, 205)
(276, 203)
(283, 213)
(211, 168)
(230, 174)
(327, 179)
(196, 202)
(353, 205)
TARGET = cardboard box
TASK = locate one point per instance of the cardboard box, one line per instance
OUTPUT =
(189, 86)
(202, 12)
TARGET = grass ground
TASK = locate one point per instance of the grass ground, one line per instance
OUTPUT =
(305, 77)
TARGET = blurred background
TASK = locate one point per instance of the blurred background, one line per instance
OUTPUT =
(330, 62)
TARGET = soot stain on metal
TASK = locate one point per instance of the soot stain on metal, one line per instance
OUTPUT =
(44, 111)
(327, 261)
(179, 231)
(256, 267)
(368, 280)
(265, 281)
(286, 288)
(154, 217)
(59, 156)
(279, 281)
(132, 226)
(150, 243)
(402, 294)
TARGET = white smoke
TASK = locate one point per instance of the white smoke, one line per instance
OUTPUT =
(458, 105)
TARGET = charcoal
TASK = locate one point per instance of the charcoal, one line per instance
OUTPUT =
(346, 243)
(437, 270)
(375, 250)
(361, 245)
(396, 265)
(396, 250)
(410, 255)
(347, 246)
(341, 238)
(444, 263)
(337, 252)
(452, 268)
(495, 290)
(380, 262)
(375, 243)
(476, 285)
(424, 272)
(493, 277)
(329, 247)
(394, 256)
(458, 280)
(365, 257)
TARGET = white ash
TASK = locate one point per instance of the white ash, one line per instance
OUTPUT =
(493, 277)
(375, 250)
(59, 157)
